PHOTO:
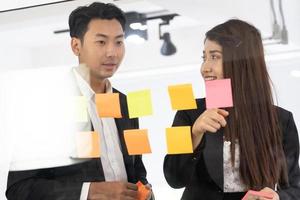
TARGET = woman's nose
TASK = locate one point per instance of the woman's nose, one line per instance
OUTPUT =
(206, 67)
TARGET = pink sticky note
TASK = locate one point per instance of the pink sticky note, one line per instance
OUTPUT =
(257, 193)
(218, 93)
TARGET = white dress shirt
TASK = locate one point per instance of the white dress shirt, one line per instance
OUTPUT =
(232, 178)
(110, 148)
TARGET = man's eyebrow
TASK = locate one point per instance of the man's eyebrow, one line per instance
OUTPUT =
(120, 36)
(105, 36)
(101, 35)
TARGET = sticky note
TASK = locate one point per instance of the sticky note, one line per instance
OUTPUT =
(137, 141)
(179, 140)
(139, 103)
(182, 97)
(108, 105)
(258, 193)
(88, 144)
(218, 93)
(143, 192)
(81, 114)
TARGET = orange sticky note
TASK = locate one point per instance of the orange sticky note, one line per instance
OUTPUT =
(218, 93)
(179, 140)
(143, 192)
(108, 105)
(137, 141)
(139, 103)
(182, 97)
(88, 144)
(258, 193)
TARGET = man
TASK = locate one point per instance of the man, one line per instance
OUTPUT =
(97, 33)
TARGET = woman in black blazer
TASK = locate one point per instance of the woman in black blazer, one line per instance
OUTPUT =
(252, 146)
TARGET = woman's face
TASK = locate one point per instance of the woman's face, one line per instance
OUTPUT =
(212, 66)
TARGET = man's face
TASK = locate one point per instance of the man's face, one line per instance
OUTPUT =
(102, 48)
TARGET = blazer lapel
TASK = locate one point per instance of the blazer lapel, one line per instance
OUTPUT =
(213, 157)
(123, 124)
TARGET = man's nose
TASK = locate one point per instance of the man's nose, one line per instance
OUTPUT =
(111, 50)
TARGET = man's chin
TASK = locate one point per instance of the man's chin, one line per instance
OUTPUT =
(104, 76)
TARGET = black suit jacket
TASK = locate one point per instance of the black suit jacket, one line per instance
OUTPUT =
(66, 182)
(201, 173)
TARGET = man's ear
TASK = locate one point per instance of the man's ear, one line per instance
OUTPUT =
(76, 45)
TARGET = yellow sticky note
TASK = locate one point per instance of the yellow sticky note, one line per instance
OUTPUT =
(88, 144)
(139, 103)
(182, 97)
(81, 114)
(108, 105)
(137, 141)
(179, 140)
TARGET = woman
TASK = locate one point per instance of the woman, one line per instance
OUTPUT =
(252, 146)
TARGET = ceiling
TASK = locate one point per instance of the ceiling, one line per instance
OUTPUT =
(32, 29)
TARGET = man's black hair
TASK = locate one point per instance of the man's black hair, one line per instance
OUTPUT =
(81, 17)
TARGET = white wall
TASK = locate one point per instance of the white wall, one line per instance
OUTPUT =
(144, 67)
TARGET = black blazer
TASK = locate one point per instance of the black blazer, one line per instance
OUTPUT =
(201, 173)
(66, 182)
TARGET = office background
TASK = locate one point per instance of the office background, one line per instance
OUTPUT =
(28, 41)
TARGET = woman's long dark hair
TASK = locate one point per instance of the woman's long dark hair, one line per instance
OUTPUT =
(253, 120)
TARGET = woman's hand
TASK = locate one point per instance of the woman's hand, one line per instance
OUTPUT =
(269, 191)
(272, 192)
(211, 120)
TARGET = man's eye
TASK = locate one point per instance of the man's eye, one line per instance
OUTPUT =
(101, 42)
(119, 42)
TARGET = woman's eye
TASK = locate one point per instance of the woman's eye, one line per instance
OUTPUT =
(216, 57)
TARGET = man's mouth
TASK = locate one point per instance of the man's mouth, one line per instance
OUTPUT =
(110, 65)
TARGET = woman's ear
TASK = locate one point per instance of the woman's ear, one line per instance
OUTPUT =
(76, 45)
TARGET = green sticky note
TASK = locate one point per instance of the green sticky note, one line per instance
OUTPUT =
(81, 114)
(139, 103)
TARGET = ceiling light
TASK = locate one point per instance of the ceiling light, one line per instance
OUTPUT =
(136, 39)
(136, 26)
(168, 48)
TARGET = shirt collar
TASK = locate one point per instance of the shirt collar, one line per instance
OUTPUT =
(84, 86)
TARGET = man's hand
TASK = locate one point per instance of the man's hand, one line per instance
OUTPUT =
(112, 191)
(148, 186)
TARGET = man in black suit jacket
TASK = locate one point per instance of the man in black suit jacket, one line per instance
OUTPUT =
(97, 33)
